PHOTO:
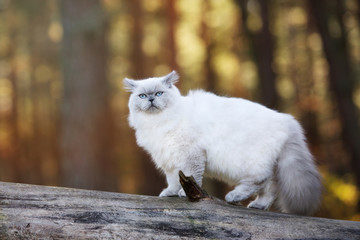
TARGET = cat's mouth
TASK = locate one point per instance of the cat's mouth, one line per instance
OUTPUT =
(152, 108)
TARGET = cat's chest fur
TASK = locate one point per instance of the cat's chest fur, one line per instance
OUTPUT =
(165, 136)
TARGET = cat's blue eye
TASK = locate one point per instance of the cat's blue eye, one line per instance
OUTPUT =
(158, 94)
(142, 95)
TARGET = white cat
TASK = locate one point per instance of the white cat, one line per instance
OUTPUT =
(259, 151)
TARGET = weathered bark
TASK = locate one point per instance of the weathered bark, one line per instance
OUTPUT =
(34, 212)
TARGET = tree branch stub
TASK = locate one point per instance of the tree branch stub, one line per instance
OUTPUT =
(193, 191)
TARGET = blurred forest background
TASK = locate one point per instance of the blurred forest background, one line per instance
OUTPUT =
(63, 112)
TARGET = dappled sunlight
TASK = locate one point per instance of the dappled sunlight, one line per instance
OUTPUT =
(248, 75)
(254, 22)
(285, 88)
(340, 196)
(346, 192)
(55, 31)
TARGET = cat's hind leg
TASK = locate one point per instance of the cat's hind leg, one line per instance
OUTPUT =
(265, 198)
(245, 190)
(242, 192)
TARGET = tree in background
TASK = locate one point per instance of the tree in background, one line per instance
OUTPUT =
(140, 71)
(86, 123)
(261, 47)
(329, 18)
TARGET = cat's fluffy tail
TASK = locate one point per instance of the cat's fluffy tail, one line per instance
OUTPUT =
(299, 185)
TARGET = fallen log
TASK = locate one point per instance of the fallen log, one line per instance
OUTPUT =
(42, 212)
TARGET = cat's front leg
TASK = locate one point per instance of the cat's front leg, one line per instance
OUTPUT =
(193, 167)
(192, 163)
(174, 186)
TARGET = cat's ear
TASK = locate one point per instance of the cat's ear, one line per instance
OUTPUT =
(129, 84)
(171, 79)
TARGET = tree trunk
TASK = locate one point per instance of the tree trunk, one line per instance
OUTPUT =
(9, 153)
(139, 70)
(205, 32)
(86, 119)
(262, 48)
(39, 212)
(138, 66)
(171, 18)
(42, 52)
(358, 11)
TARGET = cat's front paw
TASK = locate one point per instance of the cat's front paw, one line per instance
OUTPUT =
(168, 193)
(182, 193)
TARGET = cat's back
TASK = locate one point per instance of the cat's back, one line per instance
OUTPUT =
(213, 113)
(208, 103)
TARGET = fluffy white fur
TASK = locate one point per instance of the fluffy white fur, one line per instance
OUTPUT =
(259, 151)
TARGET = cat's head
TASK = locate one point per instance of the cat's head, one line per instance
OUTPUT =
(152, 95)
